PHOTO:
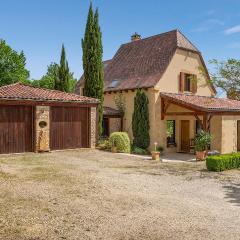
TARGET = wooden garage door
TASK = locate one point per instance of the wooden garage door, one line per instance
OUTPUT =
(69, 128)
(16, 129)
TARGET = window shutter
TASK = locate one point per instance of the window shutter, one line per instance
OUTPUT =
(194, 84)
(181, 82)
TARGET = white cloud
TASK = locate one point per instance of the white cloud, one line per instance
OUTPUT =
(232, 30)
(208, 25)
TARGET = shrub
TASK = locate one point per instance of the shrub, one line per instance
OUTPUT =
(104, 145)
(138, 150)
(160, 149)
(223, 162)
(121, 141)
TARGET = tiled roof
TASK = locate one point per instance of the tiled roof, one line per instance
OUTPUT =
(19, 91)
(81, 80)
(203, 103)
(111, 111)
(141, 64)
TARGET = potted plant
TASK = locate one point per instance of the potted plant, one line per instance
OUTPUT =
(203, 139)
(155, 153)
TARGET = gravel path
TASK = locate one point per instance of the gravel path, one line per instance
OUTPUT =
(88, 194)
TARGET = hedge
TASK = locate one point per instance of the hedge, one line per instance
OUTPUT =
(223, 162)
(121, 141)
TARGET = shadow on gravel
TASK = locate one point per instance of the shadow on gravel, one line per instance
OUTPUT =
(233, 193)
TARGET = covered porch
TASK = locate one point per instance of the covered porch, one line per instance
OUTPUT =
(185, 115)
(112, 121)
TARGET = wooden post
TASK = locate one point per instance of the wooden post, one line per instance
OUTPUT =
(162, 109)
(205, 122)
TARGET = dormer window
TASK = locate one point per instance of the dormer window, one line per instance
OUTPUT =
(187, 83)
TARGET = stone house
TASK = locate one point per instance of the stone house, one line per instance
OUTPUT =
(172, 73)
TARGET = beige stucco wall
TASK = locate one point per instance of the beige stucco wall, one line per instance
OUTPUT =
(216, 133)
(229, 133)
(224, 133)
(188, 62)
(109, 101)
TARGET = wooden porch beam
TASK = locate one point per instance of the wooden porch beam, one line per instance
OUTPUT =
(206, 121)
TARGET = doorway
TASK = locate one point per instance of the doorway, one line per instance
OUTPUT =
(185, 136)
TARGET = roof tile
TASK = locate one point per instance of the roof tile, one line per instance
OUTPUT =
(19, 91)
(204, 103)
(140, 64)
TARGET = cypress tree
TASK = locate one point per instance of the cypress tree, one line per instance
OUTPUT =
(140, 121)
(92, 61)
(62, 74)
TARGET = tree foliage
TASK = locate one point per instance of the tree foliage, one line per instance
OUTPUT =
(48, 80)
(55, 77)
(62, 76)
(140, 121)
(12, 65)
(120, 103)
(92, 61)
(227, 77)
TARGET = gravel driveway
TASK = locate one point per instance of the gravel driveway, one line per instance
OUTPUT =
(88, 194)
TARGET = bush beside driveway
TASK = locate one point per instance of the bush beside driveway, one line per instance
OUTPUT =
(90, 194)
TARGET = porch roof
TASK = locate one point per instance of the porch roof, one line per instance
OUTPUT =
(203, 103)
(108, 111)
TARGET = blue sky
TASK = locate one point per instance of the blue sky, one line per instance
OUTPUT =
(40, 27)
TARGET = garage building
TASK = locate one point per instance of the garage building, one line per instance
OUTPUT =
(34, 119)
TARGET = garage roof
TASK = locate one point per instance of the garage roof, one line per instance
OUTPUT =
(203, 103)
(20, 91)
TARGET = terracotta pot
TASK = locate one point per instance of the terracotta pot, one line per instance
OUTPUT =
(114, 149)
(201, 155)
(155, 155)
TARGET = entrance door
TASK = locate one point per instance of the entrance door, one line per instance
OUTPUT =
(185, 135)
(238, 135)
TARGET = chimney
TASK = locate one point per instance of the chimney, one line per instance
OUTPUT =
(135, 37)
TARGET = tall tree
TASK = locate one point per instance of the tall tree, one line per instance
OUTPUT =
(62, 74)
(227, 77)
(48, 80)
(92, 61)
(12, 65)
(140, 121)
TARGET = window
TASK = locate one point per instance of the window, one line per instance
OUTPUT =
(187, 82)
(82, 91)
(171, 133)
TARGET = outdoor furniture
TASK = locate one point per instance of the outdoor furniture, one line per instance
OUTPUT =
(192, 145)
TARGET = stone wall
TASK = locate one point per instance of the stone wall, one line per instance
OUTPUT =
(42, 122)
(93, 129)
(114, 125)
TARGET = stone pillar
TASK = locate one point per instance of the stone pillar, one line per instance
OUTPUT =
(93, 129)
(42, 128)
